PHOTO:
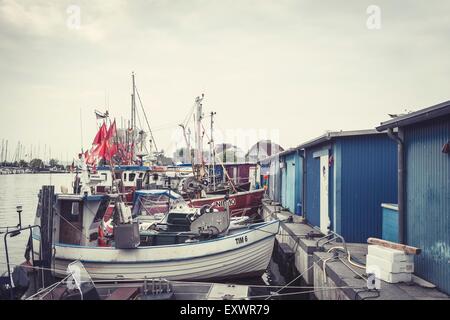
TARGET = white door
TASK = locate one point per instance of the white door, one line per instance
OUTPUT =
(252, 177)
(235, 175)
(324, 217)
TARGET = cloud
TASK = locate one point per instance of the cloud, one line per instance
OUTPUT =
(297, 67)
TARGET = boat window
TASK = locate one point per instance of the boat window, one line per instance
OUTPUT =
(67, 209)
(105, 176)
(124, 177)
(141, 175)
(101, 210)
(75, 208)
(131, 177)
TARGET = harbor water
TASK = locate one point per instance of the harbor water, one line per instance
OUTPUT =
(23, 189)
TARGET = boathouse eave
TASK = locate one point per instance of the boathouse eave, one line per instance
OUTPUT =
(429, 113)
(336, 134)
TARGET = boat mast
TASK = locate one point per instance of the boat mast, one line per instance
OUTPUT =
(133, 116)
(187, 140)
(198, 135)
(212, 149)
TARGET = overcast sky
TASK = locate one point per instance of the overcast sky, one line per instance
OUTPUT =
(293, 69)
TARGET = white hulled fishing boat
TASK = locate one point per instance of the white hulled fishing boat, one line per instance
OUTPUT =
(188, 244)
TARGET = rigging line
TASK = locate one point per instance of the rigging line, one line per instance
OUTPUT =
(189, 115)
(146, 119)
(293, 280)
(54, 287)
(43, 290)
(294, 293)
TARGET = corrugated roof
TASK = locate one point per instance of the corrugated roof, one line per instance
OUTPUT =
(432, 112)
(338, 134)
(323, 138)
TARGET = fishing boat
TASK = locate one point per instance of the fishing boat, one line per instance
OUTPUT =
(188, 244)
(116, 160)
(156, 202)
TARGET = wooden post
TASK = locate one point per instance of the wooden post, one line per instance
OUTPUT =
(396, 246)
(47, 201)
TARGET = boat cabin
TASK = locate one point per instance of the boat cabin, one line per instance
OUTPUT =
(77, 218)
(131, 178)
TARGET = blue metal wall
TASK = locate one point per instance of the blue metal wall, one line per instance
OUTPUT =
(312, 187)
(298, 200)
(362, 176)
(368, 177)
(284, 184)
(428, 199)
(291, 182)
(390, 222)
(275, 183)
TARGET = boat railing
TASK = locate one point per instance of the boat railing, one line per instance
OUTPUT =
(13, 232)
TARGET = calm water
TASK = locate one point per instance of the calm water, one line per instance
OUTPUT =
(22, 189)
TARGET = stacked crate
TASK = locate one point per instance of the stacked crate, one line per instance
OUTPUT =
(390, 265)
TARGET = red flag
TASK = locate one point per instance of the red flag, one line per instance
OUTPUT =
(111, 151)
(90, 159)
(100, 136)
(111, 131)
(99, 151)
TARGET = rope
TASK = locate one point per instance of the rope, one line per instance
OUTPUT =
(355, 272)
(49, 289)
(146, 119)
(292, 281)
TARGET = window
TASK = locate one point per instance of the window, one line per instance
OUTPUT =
(75, 208)
(101, 210)
(124, 177)
(105, 176)
(131, 177)
(70, 210)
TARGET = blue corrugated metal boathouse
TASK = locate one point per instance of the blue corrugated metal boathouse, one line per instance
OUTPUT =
(337, 181)
(291, 164)
(424, 188)
(348, 175)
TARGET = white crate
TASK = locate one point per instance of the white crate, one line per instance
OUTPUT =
(396, 277)
(389, 254)
(389, 266)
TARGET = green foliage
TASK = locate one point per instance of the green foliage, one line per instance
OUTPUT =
(23, 164)
(53, 163)
(36, 164)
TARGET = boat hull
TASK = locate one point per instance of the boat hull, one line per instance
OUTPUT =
(244, 252)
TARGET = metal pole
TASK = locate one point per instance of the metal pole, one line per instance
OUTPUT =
(213, 151)
(9, 268)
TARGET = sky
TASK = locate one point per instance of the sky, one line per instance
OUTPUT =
(288, 70)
